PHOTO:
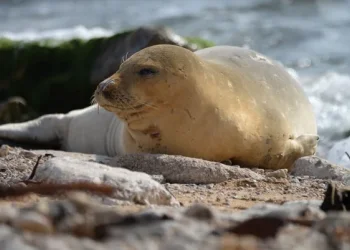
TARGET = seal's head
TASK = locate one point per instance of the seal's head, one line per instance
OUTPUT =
(149, 80)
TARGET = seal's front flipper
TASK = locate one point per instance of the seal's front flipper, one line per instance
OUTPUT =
(295, 148)
(43, 131)
(308, 144)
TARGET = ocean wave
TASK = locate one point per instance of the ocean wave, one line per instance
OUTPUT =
(80, 32)
(329, 95)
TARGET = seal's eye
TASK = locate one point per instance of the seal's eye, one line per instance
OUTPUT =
(147, 72)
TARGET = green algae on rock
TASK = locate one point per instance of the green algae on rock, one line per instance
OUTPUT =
(59, 76)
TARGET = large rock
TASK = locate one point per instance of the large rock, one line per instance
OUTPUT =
(117, 49)
(174, 168)
(130, 186)
(321, 169)
(180, 169)
(57, 77)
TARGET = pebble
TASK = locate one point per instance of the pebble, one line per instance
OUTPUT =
(7, 214)
(258, 170)
(271, 179)
(158, 178)
(4, 150)
(200, 212)
(280, 173)
(27, 154)
(33, 222)
(295, 180)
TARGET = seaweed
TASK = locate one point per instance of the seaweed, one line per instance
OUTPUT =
(55, 76)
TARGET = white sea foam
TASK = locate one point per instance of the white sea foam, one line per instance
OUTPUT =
(329, 95)
(58, 34)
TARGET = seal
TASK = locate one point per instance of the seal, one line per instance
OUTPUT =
(219, 103)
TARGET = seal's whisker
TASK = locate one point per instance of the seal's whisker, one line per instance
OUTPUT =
(149, 105)
(125, 57)
(93, 100)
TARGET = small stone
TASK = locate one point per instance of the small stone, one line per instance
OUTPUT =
(254, 184)
(258, 170)
(200, 212)
(21, 185)
(8, 213)
(27, 154)
(227, 162)
(158, 178)
(33, 222)
(4, 150)
(280, 173)
(271, 179)
(295, 180)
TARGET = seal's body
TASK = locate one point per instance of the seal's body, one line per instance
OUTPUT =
(216, 104)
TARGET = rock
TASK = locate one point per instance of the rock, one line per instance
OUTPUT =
(132, 186)
(180, 169)
(280, 173)
(253, 227)
(8, 213)
(200, 212)
(339, 154)
(11, 240)
(229, 242)
(79, 156)
(319, 168)
(64, 242)
(336, 199)
(303, 203)
(4, 150)
(336, 228)
(15, 167)
(69, 67)
(298, 237)
(14, 109)
(28, 154)
(158, 178)
(126, 44)
(170, 234)
(91, 226)
(33, 222)
(171, 168)
(289, 210)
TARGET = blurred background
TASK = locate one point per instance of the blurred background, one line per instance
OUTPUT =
(310, 37)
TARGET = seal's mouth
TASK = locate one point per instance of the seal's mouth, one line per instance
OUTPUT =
(114, 98)
(123, 105)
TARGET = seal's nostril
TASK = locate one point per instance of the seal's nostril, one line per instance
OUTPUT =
(104, 84)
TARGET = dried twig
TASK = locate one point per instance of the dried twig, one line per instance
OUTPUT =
(347, 155)
(52, 189)
(31, 176)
